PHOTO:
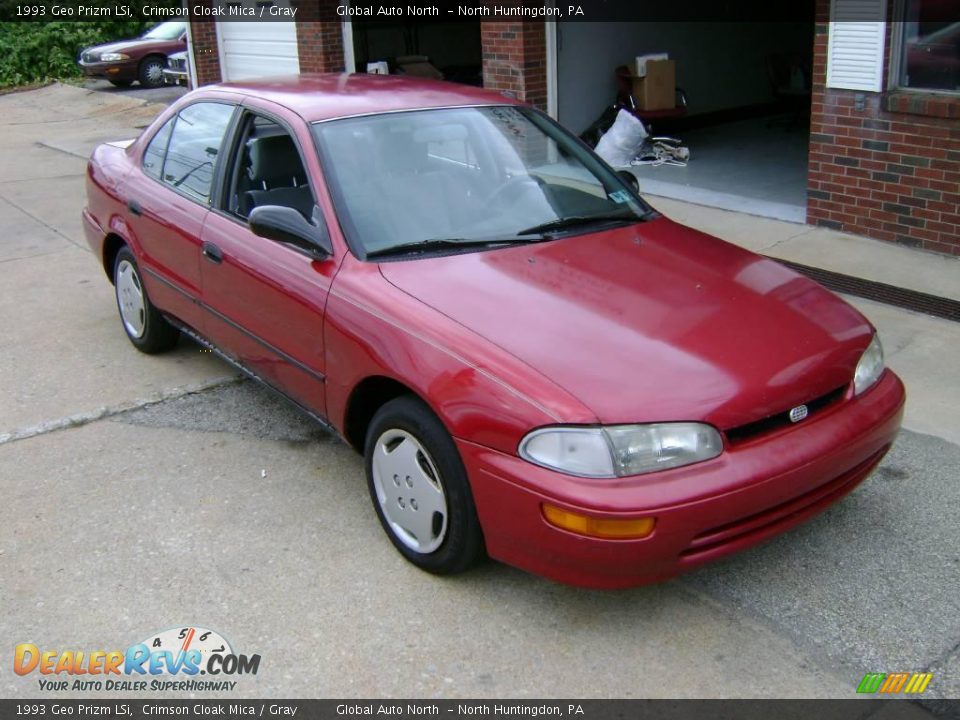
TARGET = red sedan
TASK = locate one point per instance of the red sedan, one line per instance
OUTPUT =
(535, 364)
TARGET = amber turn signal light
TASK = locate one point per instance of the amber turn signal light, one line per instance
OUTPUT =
(607, 528)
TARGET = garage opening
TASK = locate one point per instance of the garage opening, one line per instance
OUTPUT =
(420, 47)
(747, 114)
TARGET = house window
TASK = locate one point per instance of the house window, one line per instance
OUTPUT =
(930, 47)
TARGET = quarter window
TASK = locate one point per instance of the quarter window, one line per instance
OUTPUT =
(156, 150)
(193, 147)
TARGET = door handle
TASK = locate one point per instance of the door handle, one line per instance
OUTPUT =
(134, 207)
(212, 253)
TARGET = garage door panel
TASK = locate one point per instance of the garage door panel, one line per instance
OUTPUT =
(252, 50)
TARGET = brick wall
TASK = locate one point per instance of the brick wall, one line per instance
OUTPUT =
(319, 37)
(515, 59)
(320, 45)
(204, 38)
(890, 170)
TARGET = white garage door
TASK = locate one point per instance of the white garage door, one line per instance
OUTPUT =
(257, 49)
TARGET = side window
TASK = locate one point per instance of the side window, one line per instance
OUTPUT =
(194, 144)
(269, 171)
(157, 149)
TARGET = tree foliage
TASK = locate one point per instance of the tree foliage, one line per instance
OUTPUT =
(32, 52)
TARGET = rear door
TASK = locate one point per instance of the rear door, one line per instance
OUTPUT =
(266, 300)
(168, 202)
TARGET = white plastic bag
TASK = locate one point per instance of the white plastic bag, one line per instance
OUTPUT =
(621, 143)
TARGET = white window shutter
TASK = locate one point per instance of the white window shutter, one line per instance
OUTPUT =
(855, 44)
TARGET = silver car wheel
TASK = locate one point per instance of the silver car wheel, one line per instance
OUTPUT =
(130, 299)
(409, 491)
(155, 72)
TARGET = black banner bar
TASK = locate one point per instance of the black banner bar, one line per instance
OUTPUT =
(497, 709)
(437, 11)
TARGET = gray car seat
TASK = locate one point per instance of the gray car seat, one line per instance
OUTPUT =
(276, 168)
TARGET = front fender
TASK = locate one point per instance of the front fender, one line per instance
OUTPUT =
(481, 393)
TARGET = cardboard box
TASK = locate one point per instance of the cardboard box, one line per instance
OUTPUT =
(640, 62)
(657, 90)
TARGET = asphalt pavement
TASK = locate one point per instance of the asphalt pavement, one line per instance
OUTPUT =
(144, 493)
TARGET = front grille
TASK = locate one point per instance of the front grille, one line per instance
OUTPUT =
(177, 64)
(719, 539)
(750, 430)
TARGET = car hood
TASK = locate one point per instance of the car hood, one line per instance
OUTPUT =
(121, 46)
(653, 322)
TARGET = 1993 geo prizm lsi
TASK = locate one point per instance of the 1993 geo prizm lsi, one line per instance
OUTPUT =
(536, 365)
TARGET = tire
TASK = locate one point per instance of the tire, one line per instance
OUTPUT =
(142, 322)
(427, 476)
(121, 83)
(151, 72)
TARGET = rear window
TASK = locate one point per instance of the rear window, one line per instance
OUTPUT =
(185, 156)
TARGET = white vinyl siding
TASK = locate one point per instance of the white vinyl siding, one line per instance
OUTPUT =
(856, 43)
(251, 50)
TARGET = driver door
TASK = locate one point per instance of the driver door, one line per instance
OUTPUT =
(266, 299)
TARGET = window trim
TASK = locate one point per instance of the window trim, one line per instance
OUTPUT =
(175, 117)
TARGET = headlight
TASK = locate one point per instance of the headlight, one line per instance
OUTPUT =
(619, 450)
(113, 57)
(869, 368)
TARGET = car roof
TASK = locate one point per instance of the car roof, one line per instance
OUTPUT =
(329, 96)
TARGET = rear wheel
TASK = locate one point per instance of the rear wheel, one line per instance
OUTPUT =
(420, 490)
(145, 326)
(151, 72)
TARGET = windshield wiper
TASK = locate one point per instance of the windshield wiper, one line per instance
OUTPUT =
(576, 220)
(440, 244)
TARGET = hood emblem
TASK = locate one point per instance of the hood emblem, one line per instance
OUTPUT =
(798, 413)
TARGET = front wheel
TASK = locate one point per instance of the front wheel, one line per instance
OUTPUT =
(420, 490)
(145, 326)
(151, 72)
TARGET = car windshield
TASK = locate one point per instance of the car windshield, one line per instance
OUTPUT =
(438, 178)
(166, 31)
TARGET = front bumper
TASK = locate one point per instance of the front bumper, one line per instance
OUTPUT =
(174, 77)
(754, 491)
(123, 71)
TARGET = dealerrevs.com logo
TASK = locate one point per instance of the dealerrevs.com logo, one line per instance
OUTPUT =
(171, 660)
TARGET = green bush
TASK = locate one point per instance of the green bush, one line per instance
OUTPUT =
(32, 52)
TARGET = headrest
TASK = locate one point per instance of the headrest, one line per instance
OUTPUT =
(274, 158)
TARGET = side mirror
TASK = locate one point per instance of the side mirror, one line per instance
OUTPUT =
(630, 179)
(286, 225)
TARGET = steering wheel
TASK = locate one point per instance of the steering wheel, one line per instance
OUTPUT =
(513, 184)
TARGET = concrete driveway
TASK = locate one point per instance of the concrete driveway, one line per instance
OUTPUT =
(144, 493)
(165, 94)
